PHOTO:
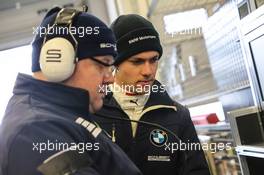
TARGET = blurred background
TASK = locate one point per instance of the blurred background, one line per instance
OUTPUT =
(213, 63)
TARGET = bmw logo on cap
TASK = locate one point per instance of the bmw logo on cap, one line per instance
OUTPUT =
(158, 137)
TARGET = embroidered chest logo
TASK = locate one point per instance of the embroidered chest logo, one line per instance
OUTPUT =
(158, 137)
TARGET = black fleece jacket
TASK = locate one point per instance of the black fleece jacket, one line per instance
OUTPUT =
(153, 149)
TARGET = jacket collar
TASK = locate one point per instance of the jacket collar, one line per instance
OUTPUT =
(73, 99)
(128, 102)
(159, 98)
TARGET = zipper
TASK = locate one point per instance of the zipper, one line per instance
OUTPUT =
(113, 133)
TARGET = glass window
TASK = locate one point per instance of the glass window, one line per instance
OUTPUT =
(184, 22)
(12, 61)
(259, 3)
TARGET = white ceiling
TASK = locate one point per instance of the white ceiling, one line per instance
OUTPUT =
(17, 23)
(11, 4)
(172, 6)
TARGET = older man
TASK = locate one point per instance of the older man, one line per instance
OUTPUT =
(47, 128)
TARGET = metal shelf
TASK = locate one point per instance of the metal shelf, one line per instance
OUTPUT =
(214, 127)
(256, 150)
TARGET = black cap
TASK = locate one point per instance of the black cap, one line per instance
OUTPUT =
(134, 34)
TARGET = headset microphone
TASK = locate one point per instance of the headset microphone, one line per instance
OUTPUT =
(144, 123)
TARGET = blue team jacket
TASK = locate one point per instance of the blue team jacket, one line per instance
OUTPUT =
(44, 121)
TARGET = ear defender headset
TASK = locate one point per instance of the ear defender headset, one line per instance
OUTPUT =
(58, 55)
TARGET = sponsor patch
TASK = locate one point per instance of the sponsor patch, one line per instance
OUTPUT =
(158, 137)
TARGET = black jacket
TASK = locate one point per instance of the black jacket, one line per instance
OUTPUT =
(42, 121)
(150, 151)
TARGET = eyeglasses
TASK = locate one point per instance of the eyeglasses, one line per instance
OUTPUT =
(110, 66)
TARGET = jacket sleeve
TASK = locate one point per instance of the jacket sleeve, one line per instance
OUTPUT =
(68, 162)
(37, 143)
(86, 171)
(195, 162)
